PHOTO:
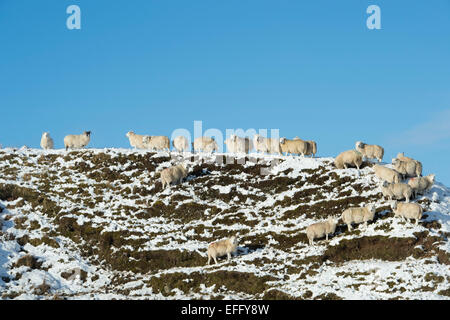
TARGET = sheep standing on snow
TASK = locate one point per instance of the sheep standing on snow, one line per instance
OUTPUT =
(156, 143)
(370, 151)
(420, 185)
(221, 248)
(349, 157)
(408, 211)
(205, 144)
(136, 140)
(174, 174)
(295, 146)
(46, 141)
(401, 156)
(408, 168)
(76, 141)
(386, 174)
(237, 144)
(312, 148)
(358, 215)
(397, 191)
(269, 145)
(181, 144)
(320, 229)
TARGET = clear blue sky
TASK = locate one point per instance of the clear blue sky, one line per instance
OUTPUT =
(308, 68)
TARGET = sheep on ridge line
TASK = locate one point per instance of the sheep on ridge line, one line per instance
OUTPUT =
(237, 144)
(75, 141)
(46, 141)
(159, 143)
(205, 144)
(358, 215)
(408, 168)
(269, 145)
(174, 174)
(295, 146)
(320, 229)
(370, 151)
(349, 157)
(136, 140)
(181, 144)
(221, 248)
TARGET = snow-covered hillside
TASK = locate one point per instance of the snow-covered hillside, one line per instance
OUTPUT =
(96, 224)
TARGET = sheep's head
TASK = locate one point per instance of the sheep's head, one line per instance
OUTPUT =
(431, 177)
(359, 144)
(282, 140)
(87, 133)
(393, 204)
(45, 135)
(129, 133)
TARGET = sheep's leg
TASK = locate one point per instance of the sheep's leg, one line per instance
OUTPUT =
(215, 260)
(228, 256)
(326, 237)
(349, 226)
(209, 258)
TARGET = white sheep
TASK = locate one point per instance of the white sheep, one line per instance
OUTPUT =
(136, 140)
(181, 144)
(408, 211)
(156, 143)
(370, 151)
(237, 144)
(401, 156)
(205, 144)
(408, 168)
(358, 215)
(386, 174)
(420, 185)
(269, 145)
(312, 148)
(295, 146)
(174, 174)
(320, 229)
(46, 141)
(221, 248)
(349, 157)
(76, 141)
(397, 191)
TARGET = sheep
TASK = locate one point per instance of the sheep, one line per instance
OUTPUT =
(408, 168)
(295, 146)
(180, 144)
(320, 229)
(408, 211)
(46, 141)
(370, 151)
(421, 184)
(312, 148)
(237, 144)
(221, 248)
(401, 156)
(269, 145)
(358, 215)
(205, 144)
(77, 141)
(136, 140)
(174, 174)
(397, 190)
(156, 142)
(349, 157)
(386, 174)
